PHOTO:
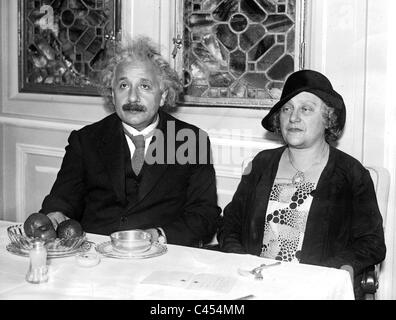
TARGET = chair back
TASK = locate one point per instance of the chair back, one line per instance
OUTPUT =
(381, 180)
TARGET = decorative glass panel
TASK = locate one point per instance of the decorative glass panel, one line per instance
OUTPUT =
(63, 44)
(238, 52)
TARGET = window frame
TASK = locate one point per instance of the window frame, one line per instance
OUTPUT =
(299, 61)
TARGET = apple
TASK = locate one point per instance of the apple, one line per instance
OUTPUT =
(69, 229)
(38, 225)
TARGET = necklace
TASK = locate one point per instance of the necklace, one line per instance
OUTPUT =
(299, 176)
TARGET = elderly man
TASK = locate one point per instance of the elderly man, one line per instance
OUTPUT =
(139, 168)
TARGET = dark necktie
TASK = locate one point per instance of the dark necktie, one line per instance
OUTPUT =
(138, 155)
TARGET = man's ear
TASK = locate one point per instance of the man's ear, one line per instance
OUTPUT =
(163, 97)
(112, 96)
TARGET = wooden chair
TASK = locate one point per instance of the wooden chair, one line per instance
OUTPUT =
(381, 180)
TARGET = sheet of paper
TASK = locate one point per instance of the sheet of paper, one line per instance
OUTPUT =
(169, 278)
(212, 282)
(190, 281)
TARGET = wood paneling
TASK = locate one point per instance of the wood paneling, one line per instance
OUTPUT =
(36, 170)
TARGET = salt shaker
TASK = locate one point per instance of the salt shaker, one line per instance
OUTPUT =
(38, 270)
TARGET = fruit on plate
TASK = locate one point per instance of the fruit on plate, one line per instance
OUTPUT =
(69, 229)
(38, 225)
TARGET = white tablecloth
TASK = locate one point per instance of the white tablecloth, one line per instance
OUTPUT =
(123, 278)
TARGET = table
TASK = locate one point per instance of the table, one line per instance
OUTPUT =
(124, 278)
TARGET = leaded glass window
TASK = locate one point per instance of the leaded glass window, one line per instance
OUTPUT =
(238, 52)
(63, 44)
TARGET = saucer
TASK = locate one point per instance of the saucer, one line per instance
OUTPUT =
(87, 259)
(107, 250)
(133, 251)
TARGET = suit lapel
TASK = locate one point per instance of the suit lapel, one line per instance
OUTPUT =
(112, 150)
(152, 172)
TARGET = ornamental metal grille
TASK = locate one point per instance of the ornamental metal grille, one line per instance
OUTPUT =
(239, 52)
(63, 44)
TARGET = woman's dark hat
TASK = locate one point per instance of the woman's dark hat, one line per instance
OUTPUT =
(313, 82)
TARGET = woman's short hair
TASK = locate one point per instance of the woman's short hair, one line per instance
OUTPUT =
(332, 131)
(140, 49)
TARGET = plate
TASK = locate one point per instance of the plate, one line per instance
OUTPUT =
(18, 237)
(107, 250)
(87, 259)
(15, 249)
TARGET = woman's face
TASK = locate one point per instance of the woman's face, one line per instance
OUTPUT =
(301, 121)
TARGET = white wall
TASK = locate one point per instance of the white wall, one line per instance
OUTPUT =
(351, 41)
(355, 47)
(380, 116)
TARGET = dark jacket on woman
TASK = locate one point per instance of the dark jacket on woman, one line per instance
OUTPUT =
(344, 224)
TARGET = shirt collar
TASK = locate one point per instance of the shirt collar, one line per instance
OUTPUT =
(145, 132)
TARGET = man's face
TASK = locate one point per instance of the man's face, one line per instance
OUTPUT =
(137, 93)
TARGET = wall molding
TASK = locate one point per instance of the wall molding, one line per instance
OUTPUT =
(23, 151)
(242, 141)
(45, 169)
(42, 124)
(219, 138)
(232, 172)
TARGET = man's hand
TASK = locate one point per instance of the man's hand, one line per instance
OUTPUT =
(157, 235)
(56, 218)
(154, 234)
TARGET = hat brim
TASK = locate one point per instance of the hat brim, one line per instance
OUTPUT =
(332, 99)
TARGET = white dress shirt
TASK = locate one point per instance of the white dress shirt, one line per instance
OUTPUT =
(146, 132)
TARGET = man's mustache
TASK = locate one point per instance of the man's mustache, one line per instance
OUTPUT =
(133, 107)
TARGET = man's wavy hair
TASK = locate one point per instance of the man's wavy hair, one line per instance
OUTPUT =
(140, 49)
(332, 131)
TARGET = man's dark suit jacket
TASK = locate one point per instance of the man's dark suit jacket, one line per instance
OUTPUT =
(91, 184)
(344, 224)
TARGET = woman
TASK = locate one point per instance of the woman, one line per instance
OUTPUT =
(307, 201)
